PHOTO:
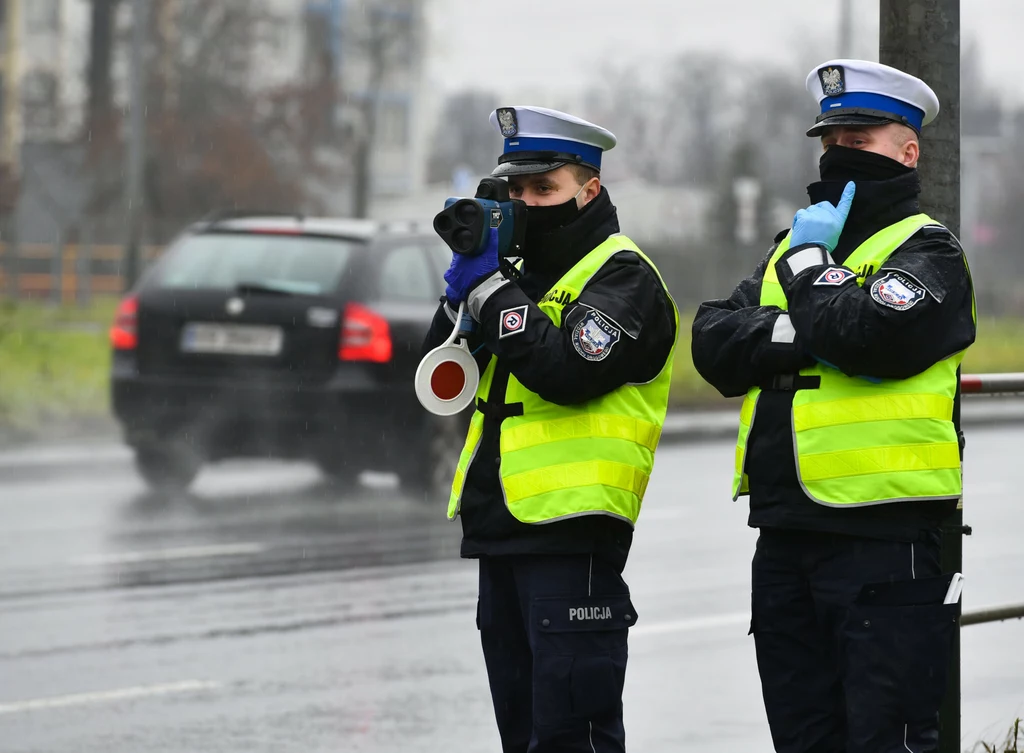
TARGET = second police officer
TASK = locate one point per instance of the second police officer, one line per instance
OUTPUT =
(575, 350)
(847, 341)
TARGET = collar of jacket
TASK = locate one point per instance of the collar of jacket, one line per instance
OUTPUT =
(877, 204)
(559, 250)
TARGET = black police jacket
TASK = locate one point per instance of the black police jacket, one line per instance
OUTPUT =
(544, 358)
(849, 327)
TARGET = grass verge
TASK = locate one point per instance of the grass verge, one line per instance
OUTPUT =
(1009, 745)
(55, 361)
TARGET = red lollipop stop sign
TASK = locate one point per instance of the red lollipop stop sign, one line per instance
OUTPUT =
(447, 381)
(447, 377)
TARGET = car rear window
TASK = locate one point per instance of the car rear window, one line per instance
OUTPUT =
(292, 263)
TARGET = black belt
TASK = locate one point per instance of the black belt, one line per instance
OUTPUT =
(791, 383)
(499, 411)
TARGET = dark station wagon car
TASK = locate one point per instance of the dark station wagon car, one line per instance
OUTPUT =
(284, 337)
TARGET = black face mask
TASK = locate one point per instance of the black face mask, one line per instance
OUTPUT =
(841, 163)
(542, 220)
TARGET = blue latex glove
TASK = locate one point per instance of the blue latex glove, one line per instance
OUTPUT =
(822, 223)
(467, 271)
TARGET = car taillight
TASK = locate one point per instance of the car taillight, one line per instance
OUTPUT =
(124, 334)
(365, 335)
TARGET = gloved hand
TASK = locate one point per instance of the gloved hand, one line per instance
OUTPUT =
(822, 223)
(467, 271)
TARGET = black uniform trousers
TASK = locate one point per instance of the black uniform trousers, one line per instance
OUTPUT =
(852, 641)
(554, 629)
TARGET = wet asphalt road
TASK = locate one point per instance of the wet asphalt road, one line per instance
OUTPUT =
(265, 613)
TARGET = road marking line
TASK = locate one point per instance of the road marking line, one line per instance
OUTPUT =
(696, 623)
(109, 696)
(63, 455)
(178, 553)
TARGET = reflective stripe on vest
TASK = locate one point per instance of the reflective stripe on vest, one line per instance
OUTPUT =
(562, 461)
(859, 442)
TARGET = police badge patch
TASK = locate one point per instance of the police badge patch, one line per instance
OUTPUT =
(834, 276)
(896, 292)
(513, 321)
(595, 336)
(508, 121)
(833, 80)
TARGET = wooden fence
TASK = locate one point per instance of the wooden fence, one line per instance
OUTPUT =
(65, 273)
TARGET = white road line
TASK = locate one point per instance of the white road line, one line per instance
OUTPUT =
(179, 553)
(109, 696)
(695, 623)
(62, 455)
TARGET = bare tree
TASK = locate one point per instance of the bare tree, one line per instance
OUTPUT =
(463, 138)
(208, 135)
(670, 130)
(99, 79)
(386, 44)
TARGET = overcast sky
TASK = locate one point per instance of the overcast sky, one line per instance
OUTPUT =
(549, 45)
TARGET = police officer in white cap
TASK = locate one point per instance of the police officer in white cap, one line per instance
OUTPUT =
(847, 342)
(575, 348)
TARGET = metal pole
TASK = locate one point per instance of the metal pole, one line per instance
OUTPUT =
(57, 268)
(14, 260)
(136, 141)
(846, 29)
(922, 37)
(84, 268)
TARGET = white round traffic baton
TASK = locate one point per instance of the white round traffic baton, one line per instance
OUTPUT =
(447, 377)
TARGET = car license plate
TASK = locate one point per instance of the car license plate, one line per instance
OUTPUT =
(232, 339)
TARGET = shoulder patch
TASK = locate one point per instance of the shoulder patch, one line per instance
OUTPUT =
(595, 336)
(897, 291)
(835, 276)
(513, 321)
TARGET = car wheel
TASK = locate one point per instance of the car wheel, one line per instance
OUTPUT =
(428, 473)
(338, 473)
(168, 467)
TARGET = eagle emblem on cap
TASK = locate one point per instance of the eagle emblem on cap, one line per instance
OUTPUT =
(508, 122)
(833, 82)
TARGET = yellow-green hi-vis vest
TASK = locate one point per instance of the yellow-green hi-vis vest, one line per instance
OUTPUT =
(859, 442)
(565, 461)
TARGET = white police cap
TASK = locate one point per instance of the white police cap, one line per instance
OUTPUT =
(538, 140)
(860, 92)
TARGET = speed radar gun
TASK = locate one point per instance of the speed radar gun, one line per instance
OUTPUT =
(465, 224)
(447, 377)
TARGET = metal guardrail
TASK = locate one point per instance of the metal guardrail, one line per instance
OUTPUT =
(993, 614)
(992, 384)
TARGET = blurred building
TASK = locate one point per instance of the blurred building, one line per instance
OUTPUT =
(43, 44)
(10, 60)
(369, 55)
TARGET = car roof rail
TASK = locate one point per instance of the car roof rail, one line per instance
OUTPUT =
(223, 215)
(412, 225)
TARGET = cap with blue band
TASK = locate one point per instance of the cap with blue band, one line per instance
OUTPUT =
(587, 154)
(861, 92)
(538, 140)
